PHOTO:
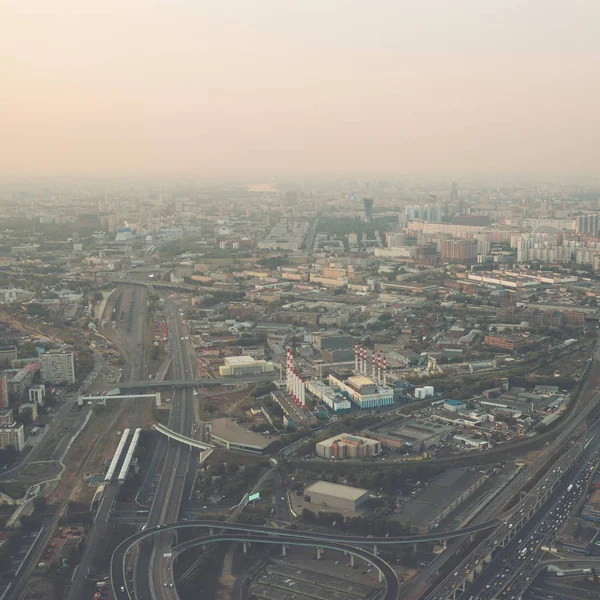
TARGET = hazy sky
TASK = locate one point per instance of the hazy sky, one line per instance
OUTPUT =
(267, 87)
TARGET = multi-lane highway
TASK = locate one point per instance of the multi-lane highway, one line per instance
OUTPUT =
(518, 565)
(152, 574)
(515, 529)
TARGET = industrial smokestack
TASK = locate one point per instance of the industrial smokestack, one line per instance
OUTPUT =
(289, 366)
(384, 371)
(362, 360)
(355, 357)
(295, 387)
(379, 364)
(373, 365)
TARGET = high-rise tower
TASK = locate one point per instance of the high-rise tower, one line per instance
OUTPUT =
(368, 204)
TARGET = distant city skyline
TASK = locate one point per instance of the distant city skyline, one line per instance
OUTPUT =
(268, 88)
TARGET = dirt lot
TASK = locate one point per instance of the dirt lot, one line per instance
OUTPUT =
(224, 403)
(225, 591)
(97, 427)
(50, 444)
(42, 588)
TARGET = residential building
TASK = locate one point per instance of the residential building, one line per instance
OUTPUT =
(37, 393)
(459, 250)
(587, 225)
(346, 445)
(6, 417)
(11, 433)
(506, 342)
(3, 391)
(58, 367)
(7, 353)
(13, 436)
(19, 380)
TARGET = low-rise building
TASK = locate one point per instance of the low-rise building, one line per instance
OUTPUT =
(333, 497)
(411, 434)
(37, 393)
(227, 433)
(346, 445)
(454, 405)
(577, 536)
(33, 408)
(238, 366)
(326, 394)
(443, 496)
(294, 415)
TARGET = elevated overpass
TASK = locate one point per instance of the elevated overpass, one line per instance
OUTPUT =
(118, 563)
(318, 539)
(178, 437)
(192, 383)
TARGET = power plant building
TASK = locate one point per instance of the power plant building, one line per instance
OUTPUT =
(326, 394)
(362, 391)
(345, 445)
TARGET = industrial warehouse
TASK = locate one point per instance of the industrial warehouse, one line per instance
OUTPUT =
(331, 497)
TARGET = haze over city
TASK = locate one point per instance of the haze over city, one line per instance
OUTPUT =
(267, 87)
(299, 300)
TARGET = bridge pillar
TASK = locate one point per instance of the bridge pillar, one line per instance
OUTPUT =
(415, 548)
(445, 544)
(319, 553)
(244, 547)
(375, 549)
(158, 400)
(283, 550)
(352, 560)
(211, 532)
(380, 576)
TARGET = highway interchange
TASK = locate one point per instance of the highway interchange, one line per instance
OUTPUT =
(172, 470)
(161, 578)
